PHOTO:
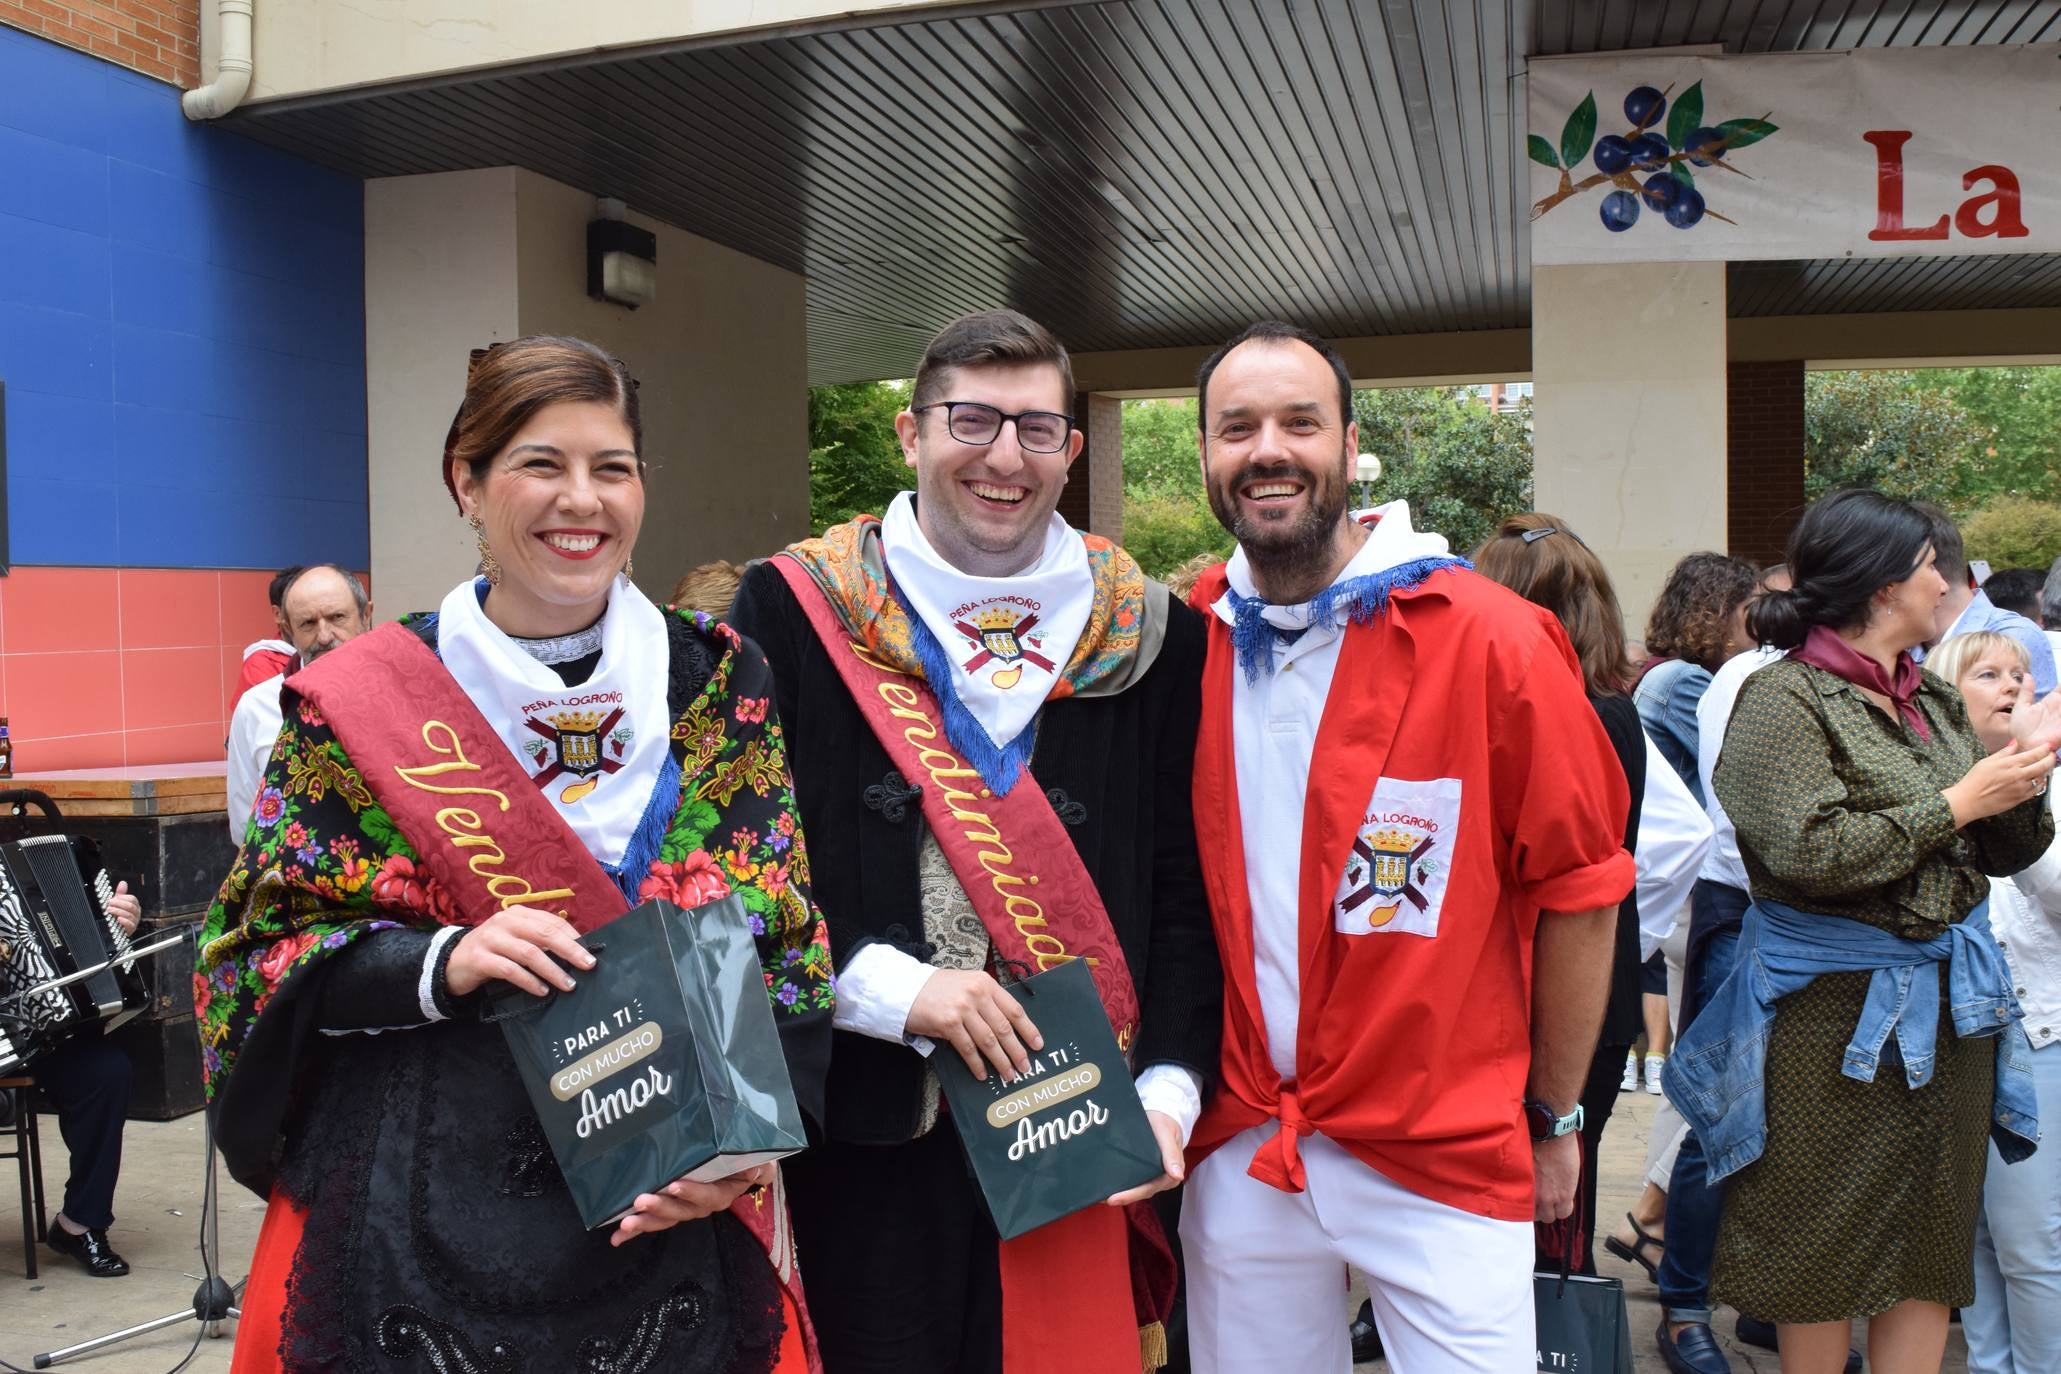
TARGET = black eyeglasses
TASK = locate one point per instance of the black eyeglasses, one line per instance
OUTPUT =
(970, 422)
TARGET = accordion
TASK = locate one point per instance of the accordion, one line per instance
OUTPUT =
(54, 926)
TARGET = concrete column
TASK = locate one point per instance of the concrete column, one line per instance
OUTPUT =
(1628, 413)
(458, 260)
(1764, 405)
(1094, 495)
(440, 281)
(1105, 421)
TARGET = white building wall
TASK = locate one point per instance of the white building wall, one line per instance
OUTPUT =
(455, 261)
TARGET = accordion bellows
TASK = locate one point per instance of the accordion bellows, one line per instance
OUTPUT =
(54, 925)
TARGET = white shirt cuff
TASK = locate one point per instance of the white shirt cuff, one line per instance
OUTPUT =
(425, 991)
(875, 990)
(1174, 1092)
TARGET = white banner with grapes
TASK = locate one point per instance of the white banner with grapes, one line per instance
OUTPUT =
(1666, 157)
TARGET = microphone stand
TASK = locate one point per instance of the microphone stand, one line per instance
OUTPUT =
(214, 1302)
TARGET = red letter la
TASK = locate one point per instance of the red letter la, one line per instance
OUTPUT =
(1889, 189)
(2005, 224)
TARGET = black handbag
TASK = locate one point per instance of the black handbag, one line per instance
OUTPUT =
(663, 1063)
(1071, 1132)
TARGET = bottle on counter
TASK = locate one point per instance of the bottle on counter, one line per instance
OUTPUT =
(6, 751)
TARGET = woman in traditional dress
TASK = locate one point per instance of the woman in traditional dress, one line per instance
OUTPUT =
(450, 802)
(2014, 1324)
(1846, 1074)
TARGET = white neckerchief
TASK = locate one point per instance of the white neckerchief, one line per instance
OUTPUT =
(595, 750)
(1391, 542)
(1008, 638)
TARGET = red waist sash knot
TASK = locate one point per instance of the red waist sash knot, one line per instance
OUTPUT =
(1278, 1162)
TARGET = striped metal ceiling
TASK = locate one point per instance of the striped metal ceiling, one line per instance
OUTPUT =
(1138, 174)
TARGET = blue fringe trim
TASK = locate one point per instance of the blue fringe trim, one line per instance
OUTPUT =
(999, 765)
(651, 829)
(1361, 598)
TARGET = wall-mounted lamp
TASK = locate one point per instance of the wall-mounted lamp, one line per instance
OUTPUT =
(622, 260)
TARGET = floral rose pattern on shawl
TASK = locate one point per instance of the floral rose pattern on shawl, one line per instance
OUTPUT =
(323, 864)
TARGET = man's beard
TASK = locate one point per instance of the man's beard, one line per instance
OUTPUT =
(1284, 548)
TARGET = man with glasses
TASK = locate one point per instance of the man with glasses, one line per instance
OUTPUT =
(987, 710)
(1412, 831)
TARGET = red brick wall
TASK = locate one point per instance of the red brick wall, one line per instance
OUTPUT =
(1764, 488)
(159, 38)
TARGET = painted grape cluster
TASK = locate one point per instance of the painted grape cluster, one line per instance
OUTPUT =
(1647, 167)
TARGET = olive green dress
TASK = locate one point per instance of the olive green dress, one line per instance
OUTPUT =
(1867, 1192)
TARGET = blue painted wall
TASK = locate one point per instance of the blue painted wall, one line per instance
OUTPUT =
(182, 331)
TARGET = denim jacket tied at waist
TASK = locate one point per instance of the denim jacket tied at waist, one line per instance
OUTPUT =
(1716, 1075)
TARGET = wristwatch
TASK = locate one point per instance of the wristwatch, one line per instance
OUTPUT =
(1546, 1125)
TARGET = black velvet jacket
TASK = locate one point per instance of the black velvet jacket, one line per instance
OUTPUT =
(1118, 770)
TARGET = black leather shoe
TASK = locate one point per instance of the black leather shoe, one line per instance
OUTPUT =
(1695, 1351)
(91, 1250)
(1366, 1338)
(1754, 1331)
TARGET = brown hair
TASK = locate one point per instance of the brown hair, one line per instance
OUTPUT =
(1556, 570)
(991, 338)
(508, 383)
(709, 588)
(1692, 620)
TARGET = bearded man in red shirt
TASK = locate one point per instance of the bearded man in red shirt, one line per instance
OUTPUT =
(1411, 829)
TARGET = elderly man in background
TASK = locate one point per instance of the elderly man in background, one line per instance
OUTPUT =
(320, 607)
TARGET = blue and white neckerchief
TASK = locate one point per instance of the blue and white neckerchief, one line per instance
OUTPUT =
(597, 751)
(992, 648)
(1357, 599)
(1395, 558)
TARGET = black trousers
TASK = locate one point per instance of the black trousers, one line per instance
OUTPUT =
(87, 1079)
(899, 1257)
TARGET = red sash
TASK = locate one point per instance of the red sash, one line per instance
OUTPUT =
(1033, 894)
(481, 827)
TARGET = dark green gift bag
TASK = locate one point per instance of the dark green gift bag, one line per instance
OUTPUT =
(662, 1063)
(1068, 1134)
(1582, 1325)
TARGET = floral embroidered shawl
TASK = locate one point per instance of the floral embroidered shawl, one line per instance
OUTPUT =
(323, 864)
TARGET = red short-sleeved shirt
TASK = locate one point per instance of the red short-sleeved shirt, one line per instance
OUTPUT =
(1414, 1049)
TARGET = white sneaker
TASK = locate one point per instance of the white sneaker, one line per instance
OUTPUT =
(1653, 1063)
(1631, 1072)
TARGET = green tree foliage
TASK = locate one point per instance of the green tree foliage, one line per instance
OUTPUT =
(2015, 532)
(1461, 466)
(1894, 432)
(855, 462)
(1167, 519)
(2020, 407)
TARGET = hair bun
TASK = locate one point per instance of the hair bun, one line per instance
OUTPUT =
(1779, 617)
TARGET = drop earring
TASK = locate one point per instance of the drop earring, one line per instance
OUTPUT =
(630, 566)
(489, 565)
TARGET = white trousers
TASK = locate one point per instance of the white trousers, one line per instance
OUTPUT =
(1267, 1271)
